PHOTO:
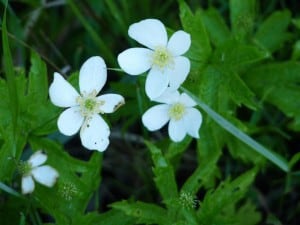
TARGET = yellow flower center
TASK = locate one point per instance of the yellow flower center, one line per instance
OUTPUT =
(162, 58)
(89, 104)
(177, 111)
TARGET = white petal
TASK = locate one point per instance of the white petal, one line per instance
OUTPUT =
(92, 75)
(111, 102)
(27, 185)
(149, 32)
(156, 117)
(180, 71)
(169, 96)
(179, 43)
(94, 134)
(187, 100)
(37, 159)
(176, 130)
(192, 121)
(156, 83)
(135, 61)
(70, 121)
(61, 92)
(45, 175)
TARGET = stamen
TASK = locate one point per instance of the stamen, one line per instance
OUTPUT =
(162, 58)
(89, 104)
(177, 111)
(24, 168)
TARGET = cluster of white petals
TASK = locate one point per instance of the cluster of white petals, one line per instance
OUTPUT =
(162, 57)
(34, 170)
(177, 109)
(168, 69)
(83, 108)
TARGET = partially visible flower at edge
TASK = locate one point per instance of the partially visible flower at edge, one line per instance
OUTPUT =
(33, 169)
(177, 109)
(84, 108)
(163, 57)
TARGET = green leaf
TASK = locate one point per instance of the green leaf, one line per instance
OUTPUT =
(144, 213)
(273, 157)
(200, 49)
(215, 26)
(278, 84)
(209, 149)
(5, 115)
(294, 160)
(246, 214)
(272, 33)
(37, 82)
(164, 174)
(296, 22)
(11, 83)
(296, 50)
(213, 208)
(176, 149)
(231, 59)
(38, 114)
(7, 158)
(242, 14)
(203, 172)
(240, 94)
(238, 56)
(240, 150)
(111, 217)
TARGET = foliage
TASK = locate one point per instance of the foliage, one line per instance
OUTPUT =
(244, 77)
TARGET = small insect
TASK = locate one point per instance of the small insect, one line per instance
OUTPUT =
(119, 105)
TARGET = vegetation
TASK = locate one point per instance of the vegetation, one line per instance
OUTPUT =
(244, 79)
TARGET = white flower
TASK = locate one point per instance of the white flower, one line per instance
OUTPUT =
(84, 108)
(33, 170)
(162, 57)
(177, 109)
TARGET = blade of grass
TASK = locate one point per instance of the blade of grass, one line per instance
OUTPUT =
(100, 43)
(273, 157)
(10, 78)
(117, 14)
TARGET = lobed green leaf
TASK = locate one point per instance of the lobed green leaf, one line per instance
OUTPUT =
(272, 33)
(164, 174)
(111, 217)
(242, 15)
(200, 49)
(216, 27)
(145, 213)
(278, 84)
(215, 205)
